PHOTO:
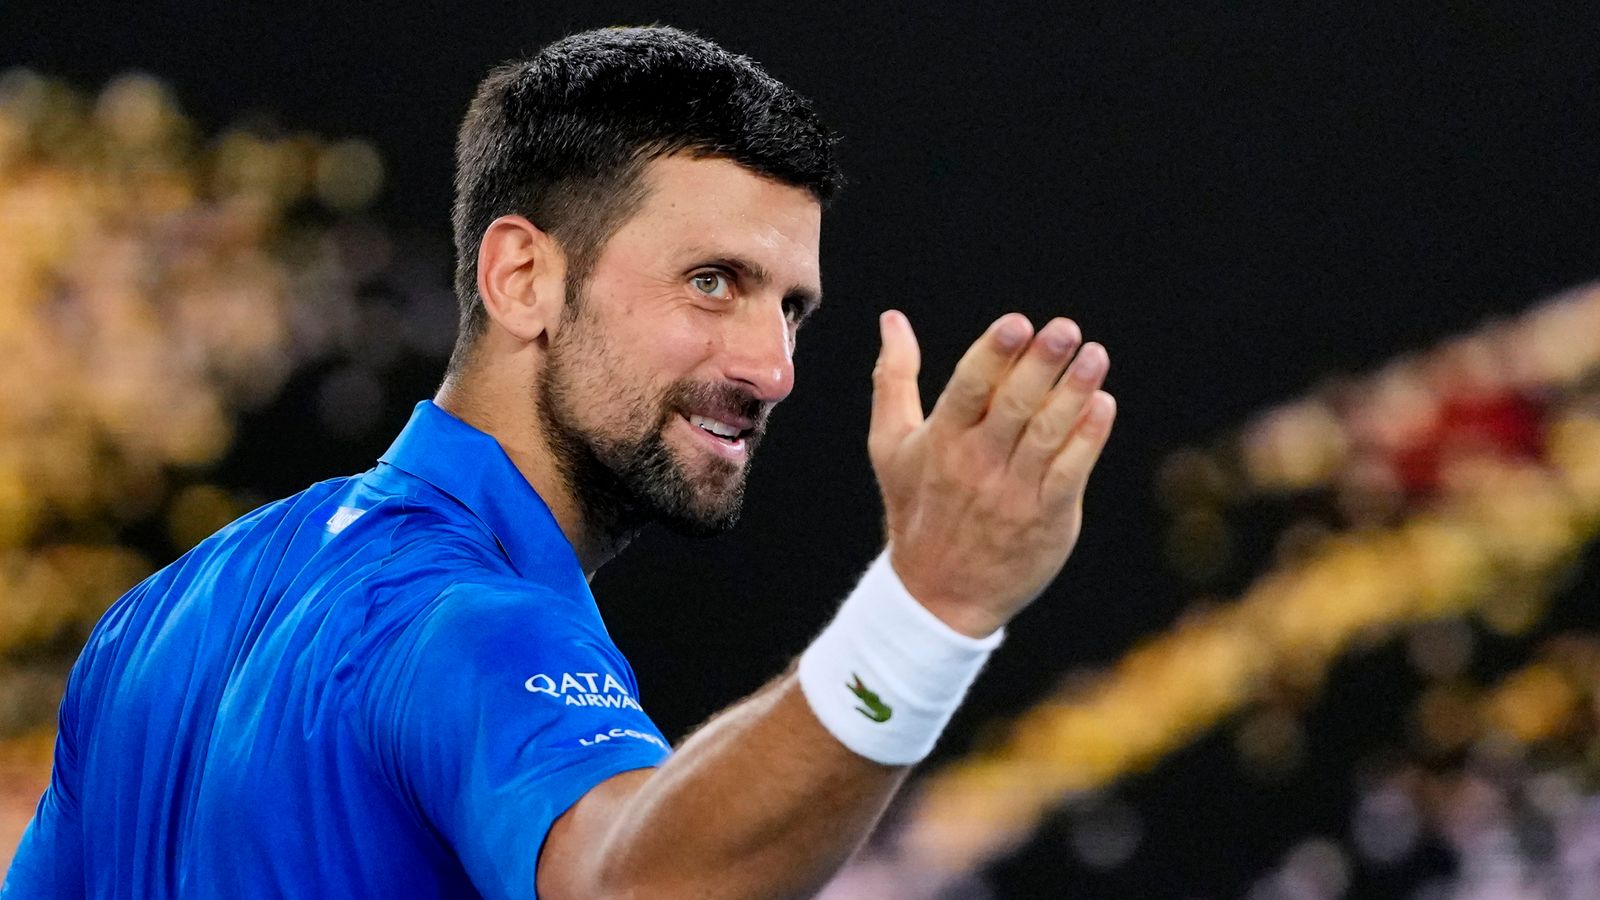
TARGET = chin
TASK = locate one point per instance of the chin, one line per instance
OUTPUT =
(701, 523)
(687, 491)
(710, 510)
(700, 528)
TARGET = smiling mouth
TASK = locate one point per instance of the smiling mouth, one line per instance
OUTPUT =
(717, 438)
(723, 430)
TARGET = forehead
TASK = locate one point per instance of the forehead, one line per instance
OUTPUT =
(716, 206)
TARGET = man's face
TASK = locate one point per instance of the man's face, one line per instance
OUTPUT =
(685, 329)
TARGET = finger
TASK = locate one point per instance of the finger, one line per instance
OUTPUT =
(1069, 471)
(1023, 391)
(1050, 427)
(981, 368)
(896, 402)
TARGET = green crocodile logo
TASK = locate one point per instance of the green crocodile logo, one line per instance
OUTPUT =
(875, 709)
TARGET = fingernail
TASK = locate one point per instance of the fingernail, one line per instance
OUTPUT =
(1057, 341)
(1091, 362)
(1012, 334)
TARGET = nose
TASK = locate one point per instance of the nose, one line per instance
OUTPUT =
(758, 350)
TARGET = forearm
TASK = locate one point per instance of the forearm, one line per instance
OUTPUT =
(761, 802)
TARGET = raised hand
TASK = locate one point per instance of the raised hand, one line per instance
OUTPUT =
(984, 497)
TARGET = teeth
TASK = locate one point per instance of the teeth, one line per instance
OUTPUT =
(720, 429)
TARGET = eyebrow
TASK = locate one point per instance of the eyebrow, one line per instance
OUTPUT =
(809, 298)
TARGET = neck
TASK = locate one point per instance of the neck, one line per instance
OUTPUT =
(506, 413)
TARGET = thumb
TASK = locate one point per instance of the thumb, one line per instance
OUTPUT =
(896, 402)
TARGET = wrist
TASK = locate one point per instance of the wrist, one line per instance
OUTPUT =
(887, 673)
(961, 619)
(955, 614)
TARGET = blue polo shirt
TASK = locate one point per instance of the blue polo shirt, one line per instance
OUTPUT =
(387, 685)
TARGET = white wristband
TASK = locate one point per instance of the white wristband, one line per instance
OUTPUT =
(886, 674)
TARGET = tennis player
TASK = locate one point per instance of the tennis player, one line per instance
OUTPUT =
(397, 684)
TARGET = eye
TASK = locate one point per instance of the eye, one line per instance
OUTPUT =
(712, 284)
(795, 311)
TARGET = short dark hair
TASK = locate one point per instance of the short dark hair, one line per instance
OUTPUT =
(563, 138)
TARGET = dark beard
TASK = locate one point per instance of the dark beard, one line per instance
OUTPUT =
(623, 484)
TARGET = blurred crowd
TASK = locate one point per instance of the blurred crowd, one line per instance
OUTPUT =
(155, 284)
(1450, 494)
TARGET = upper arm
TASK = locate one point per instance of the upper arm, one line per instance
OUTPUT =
(49, 861)
(500, 713)
(567, 864)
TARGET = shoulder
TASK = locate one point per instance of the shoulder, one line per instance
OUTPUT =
(480, 621)
(500, 650)
(513, 616)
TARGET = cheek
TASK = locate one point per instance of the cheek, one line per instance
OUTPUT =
(678, 346)
(616, 390)
(620, 369)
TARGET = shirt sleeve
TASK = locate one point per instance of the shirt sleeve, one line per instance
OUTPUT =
(49, 861)
(498, 712)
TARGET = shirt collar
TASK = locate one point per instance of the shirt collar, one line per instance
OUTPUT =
(470, 466)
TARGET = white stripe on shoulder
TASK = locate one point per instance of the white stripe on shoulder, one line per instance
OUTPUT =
(343, 517)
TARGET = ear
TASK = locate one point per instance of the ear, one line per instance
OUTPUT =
(521, 278)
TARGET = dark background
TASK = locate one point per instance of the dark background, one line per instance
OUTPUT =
(1237, 199)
